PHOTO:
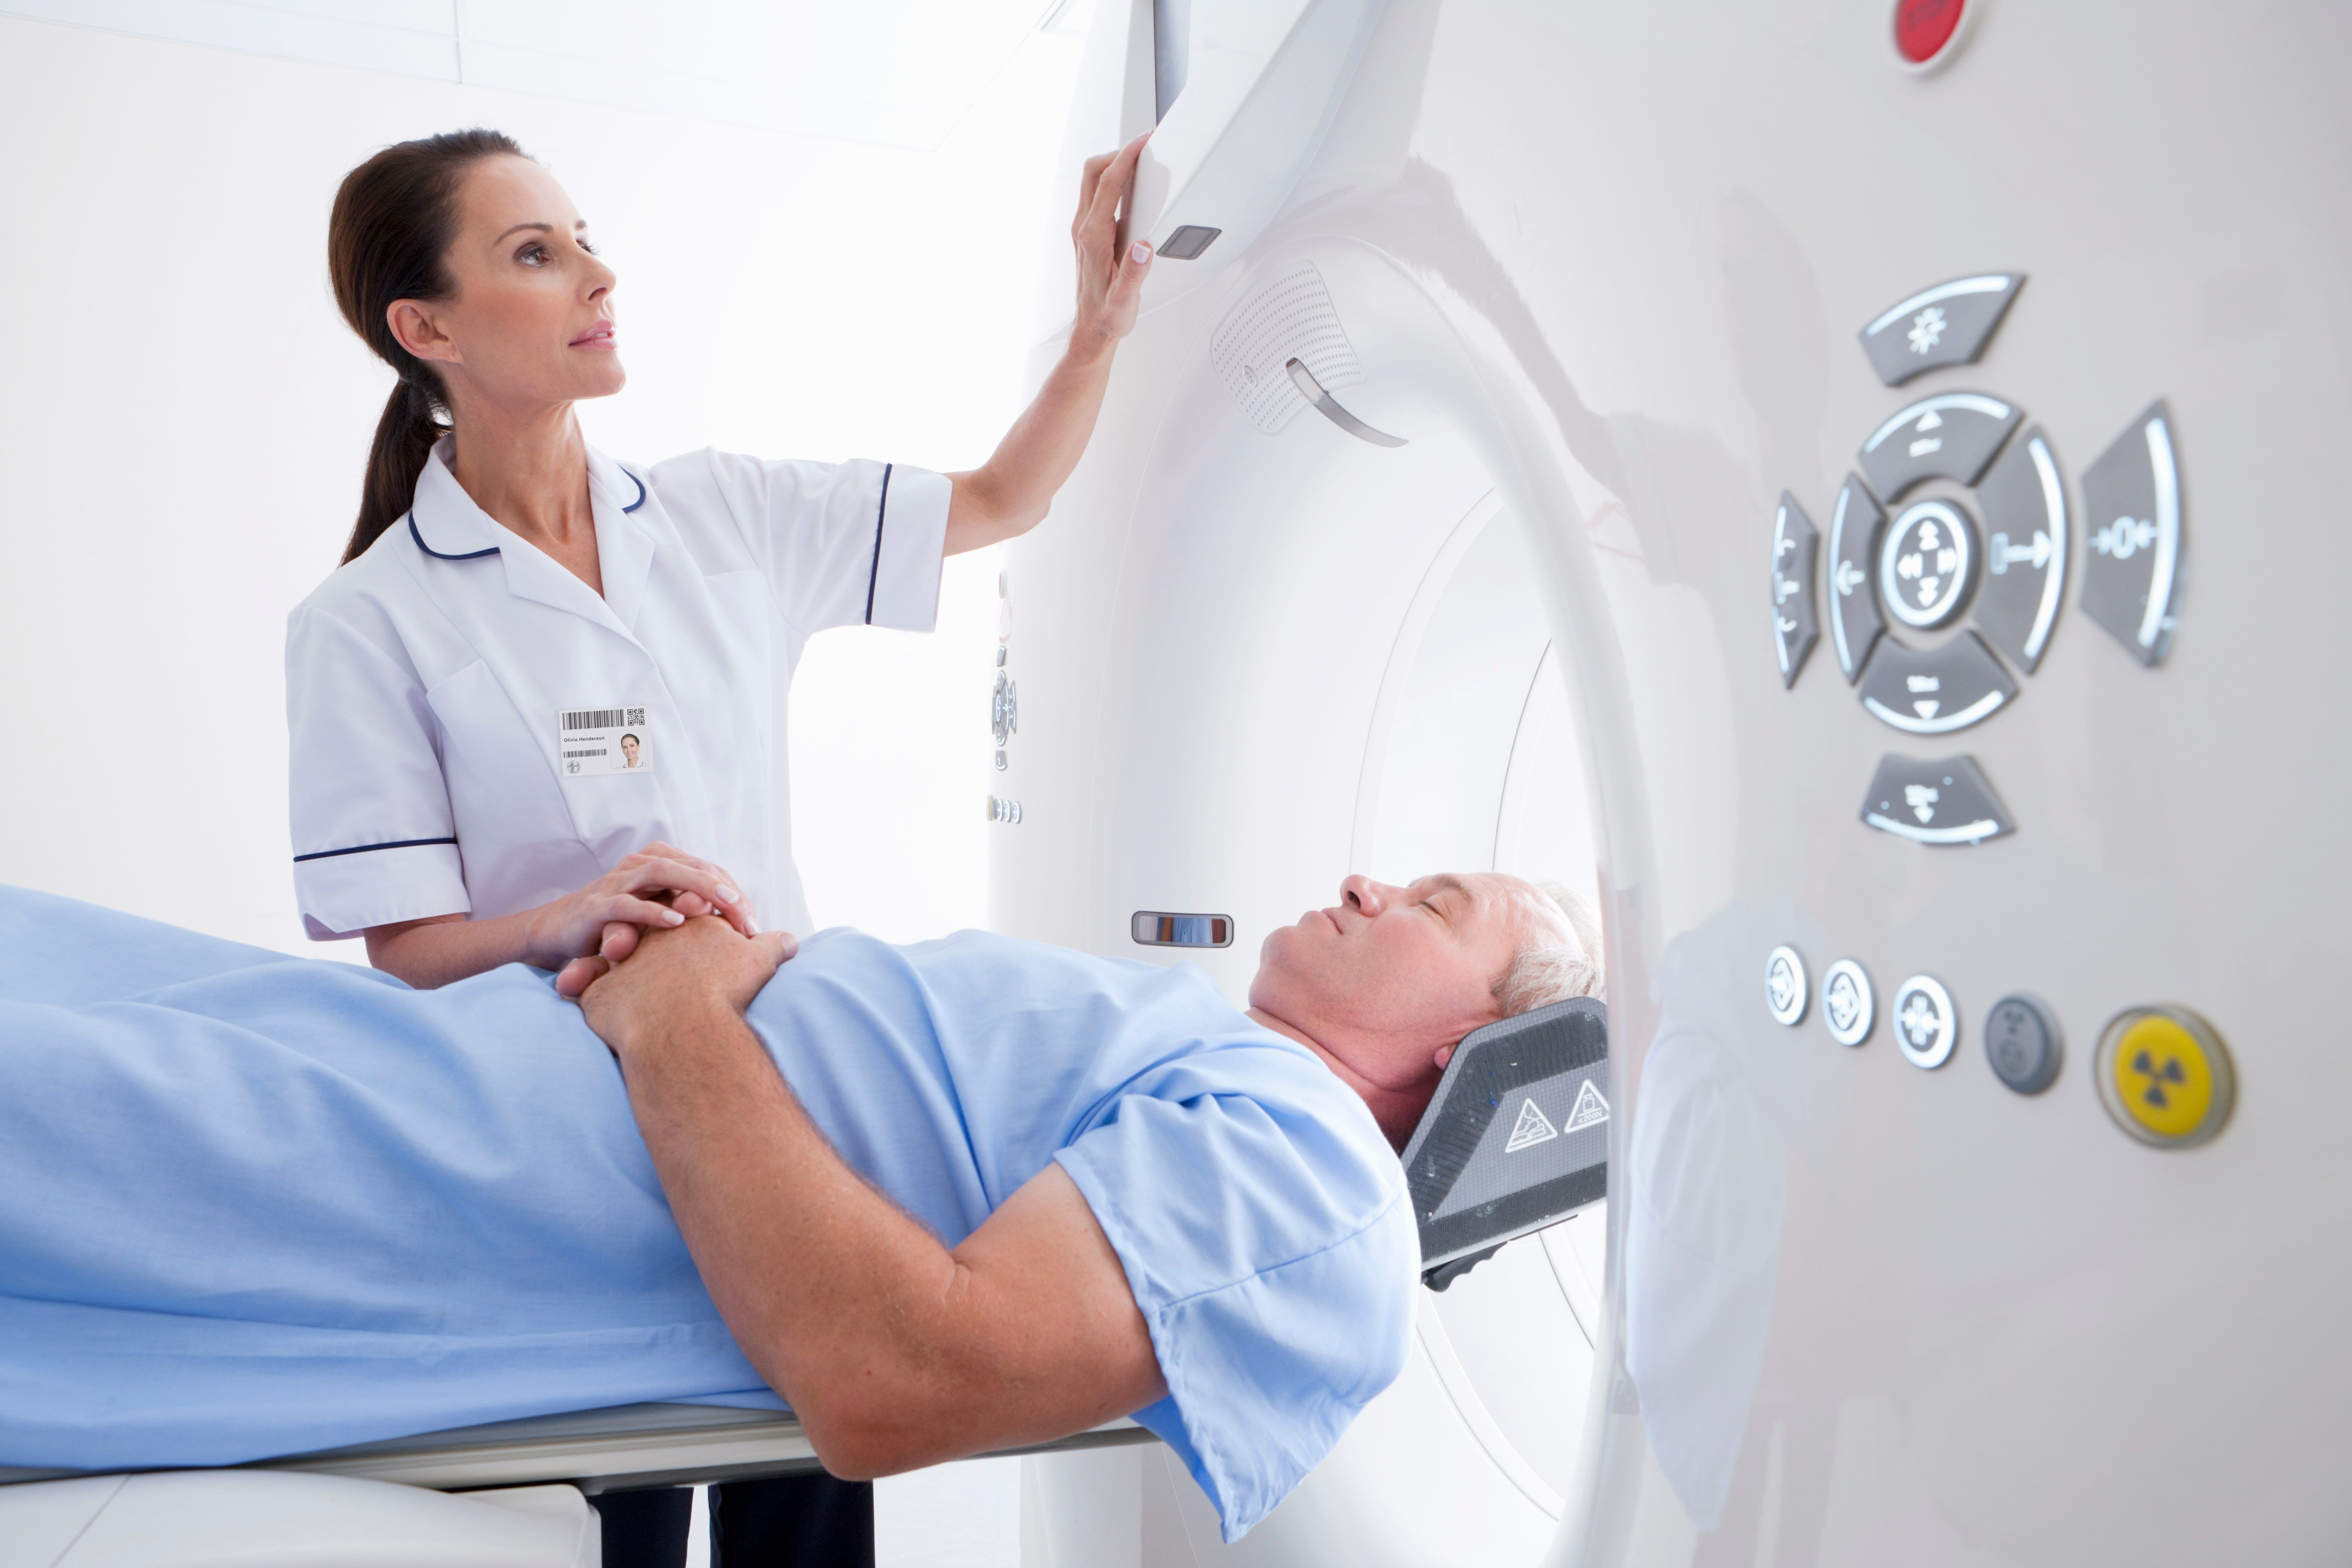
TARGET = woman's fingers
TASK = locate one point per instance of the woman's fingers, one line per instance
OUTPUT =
(730, 902)
(618, 940)
(1088, 178)
(668, 876)
(1111, 192)
(1110, 186)
(638, 911)
(1127, 289)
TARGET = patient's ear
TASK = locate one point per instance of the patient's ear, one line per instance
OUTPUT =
(1444, 1055)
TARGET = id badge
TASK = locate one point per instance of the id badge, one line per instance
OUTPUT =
(604, 741)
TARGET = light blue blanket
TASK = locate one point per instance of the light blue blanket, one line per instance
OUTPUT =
(252, 1206)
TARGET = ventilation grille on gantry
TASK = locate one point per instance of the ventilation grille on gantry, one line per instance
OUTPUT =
(1291, 318)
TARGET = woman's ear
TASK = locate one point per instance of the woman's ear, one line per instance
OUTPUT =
(414, 329)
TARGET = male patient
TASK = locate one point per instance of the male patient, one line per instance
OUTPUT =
(945, 1198)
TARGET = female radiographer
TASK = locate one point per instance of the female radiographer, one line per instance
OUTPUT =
(541, 706)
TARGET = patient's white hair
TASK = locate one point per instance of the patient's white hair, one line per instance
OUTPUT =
(1558, 956)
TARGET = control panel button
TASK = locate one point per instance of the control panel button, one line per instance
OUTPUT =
(1854, 619)
(1784, 985)
(1934, 692)
(1926, 1027)
(2165, 1075)
(2024, 505)
(1925, 565)
(2131, 525)
(1949, 324)
(1950, 437)
(1795, 626)
(2022, 1043)
(1947, 802)
(1847, 1006)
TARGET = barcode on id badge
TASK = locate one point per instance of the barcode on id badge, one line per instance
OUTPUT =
(603, 718)
(617, 740)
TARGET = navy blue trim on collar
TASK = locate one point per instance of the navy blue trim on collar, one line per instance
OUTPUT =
(469, 556)
(493, 550)
(397, 843)
(874, 575)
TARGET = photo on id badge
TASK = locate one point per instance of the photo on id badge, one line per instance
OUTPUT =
(605, 740)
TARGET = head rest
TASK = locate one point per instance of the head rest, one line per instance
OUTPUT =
(1516, 1138)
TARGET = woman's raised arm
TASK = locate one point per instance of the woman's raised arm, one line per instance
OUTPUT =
(1007, 495)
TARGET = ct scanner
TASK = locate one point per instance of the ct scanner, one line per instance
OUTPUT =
(1748, 461)
(1744, 460)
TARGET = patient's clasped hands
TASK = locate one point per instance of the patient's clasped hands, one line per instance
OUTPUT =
(659, 887)
(672, 976)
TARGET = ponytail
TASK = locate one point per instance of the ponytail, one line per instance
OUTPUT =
(393, 219)
(403, 439)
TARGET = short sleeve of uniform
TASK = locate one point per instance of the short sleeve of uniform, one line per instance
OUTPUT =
(844, 544)
(373, 840)
(1266, 1235)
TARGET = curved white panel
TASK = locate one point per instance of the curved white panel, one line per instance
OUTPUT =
(1610, 268)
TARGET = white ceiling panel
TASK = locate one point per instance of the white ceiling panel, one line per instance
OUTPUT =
(407, 38)
(896, 71)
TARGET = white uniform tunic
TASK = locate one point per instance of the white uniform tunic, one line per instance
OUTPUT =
(430, 683)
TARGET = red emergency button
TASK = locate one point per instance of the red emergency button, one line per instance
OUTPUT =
(1924, 28)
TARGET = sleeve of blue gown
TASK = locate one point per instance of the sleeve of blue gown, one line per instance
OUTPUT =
(1264, 1235)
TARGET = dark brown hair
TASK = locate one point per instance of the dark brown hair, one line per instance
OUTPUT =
(388, 240)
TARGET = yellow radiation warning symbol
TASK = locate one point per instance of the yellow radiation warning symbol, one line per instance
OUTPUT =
(2165, 1075)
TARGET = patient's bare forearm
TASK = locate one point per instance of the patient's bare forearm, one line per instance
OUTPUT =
(893, 1351)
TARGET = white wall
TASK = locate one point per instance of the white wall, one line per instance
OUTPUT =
(184, 419)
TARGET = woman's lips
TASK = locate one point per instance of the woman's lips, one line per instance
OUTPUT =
(598, 336)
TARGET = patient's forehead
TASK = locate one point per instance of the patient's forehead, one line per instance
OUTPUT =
(1497, 896)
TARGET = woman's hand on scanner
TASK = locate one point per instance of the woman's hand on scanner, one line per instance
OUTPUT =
(584, 934)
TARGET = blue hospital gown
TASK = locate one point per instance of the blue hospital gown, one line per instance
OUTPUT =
(252, 1205)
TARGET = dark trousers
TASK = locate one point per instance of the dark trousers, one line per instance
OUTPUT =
(791, 1522)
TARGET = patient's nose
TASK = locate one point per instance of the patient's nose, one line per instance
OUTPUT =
(1364, 896)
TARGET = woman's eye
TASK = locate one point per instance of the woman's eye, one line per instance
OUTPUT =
(586, 247)
(533, 256)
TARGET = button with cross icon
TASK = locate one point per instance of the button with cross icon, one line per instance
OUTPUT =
(1926, 1024)
(2165, 1075)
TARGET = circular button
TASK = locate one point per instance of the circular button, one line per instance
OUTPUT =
(2165, 1075)
(2022, 1043)
(1925, 1025)
(1924, 566)
(1784, 985)
(1923, 28)
(1847, 1006)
